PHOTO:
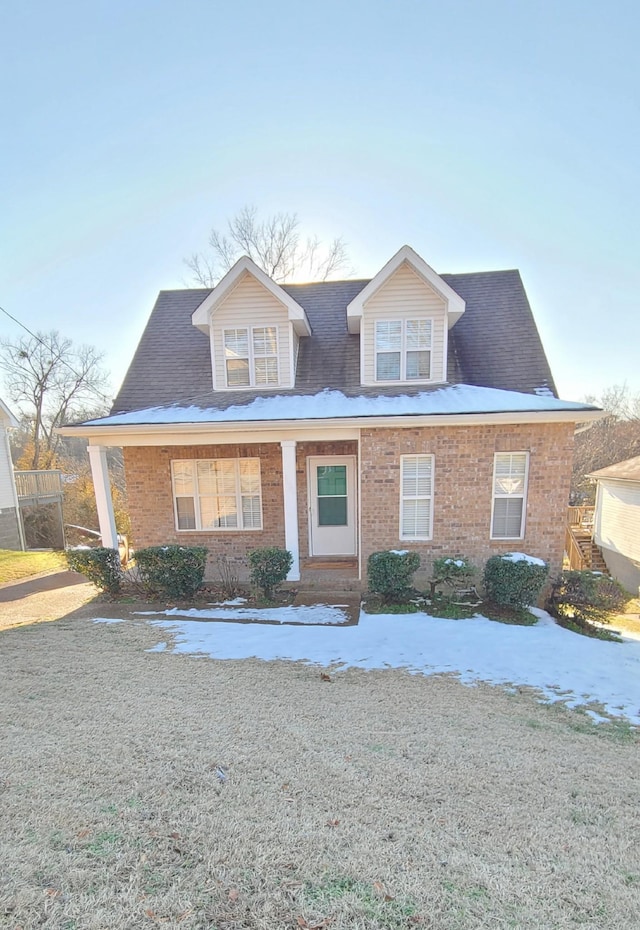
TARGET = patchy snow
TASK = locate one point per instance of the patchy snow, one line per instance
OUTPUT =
(564, 666)
(233, 602)
(107, 620)
(522, 557)
(457, 562)
(454, 399)
(399, 551)
(316, 614)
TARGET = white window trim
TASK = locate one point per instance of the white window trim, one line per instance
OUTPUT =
(523, 496)
(403, 351)
(196, 498)
(414, 455)
(252, 358)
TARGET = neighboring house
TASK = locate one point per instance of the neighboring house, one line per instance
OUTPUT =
(616, 525)
(11, 536)
(414, 410)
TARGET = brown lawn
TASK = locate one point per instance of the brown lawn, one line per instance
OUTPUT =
(376, 800)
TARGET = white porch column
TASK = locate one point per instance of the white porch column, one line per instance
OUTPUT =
(102, 489)
(290, 491)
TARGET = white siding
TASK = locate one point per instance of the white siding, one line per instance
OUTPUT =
(250, 304)
(617, 522)
(7, 494)
(296, 349)
(404, 296)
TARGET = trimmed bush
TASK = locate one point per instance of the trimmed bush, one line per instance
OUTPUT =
(100, 565)
(269, 568)
(586, 597)
(514, 579)
(175, 571)
(391, 573)
(455, 571)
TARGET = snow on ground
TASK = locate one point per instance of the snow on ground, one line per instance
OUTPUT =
(562, 665)
(314, 614)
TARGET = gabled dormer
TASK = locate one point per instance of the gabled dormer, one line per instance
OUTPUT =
(403, 316)
(254, 328)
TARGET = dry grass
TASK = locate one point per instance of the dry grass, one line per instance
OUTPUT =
(376, 800)
(629, 621)
(17, 565)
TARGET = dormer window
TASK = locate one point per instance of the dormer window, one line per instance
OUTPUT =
(251, 356)
(403, 350)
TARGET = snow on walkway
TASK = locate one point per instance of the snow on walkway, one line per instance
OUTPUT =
(562, 665)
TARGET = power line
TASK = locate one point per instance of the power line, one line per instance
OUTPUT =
(43, 343)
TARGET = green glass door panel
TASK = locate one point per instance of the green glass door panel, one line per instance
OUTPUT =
(332, 511)
(332, 480)
(331, 483)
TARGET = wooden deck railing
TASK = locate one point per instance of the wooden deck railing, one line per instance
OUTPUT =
(36, 485)
(575, 558)
(580, 516)
(578, 535)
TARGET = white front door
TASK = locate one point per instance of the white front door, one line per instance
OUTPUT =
(332, 504)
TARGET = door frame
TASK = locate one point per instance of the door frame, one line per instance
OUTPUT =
(352, 500)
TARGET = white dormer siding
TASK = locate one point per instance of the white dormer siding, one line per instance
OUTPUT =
(251, 314)
(405, 297)
(251, 308)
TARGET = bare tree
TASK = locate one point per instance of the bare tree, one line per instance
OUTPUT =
(51, 382)
(275, 244)
(612, 439)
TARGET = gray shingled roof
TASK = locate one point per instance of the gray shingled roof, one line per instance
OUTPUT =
(629, 470)
(494, 344)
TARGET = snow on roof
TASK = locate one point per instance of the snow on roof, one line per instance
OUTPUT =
(455, 399)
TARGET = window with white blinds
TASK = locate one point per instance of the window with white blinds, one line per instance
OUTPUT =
(416, 496)
(251, 356)
(510, 474)
(403, 350)
(217, 494)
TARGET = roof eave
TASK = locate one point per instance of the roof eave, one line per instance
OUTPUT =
(455, 303)
(116, 434)
(201, 317)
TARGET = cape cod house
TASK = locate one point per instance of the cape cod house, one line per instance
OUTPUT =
(414, 410)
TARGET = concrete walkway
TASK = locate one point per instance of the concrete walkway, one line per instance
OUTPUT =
(43, 598)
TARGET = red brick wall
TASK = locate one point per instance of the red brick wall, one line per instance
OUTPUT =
(148, 474)
(463, 473)
(462, 485)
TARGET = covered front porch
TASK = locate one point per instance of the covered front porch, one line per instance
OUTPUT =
(233, 491)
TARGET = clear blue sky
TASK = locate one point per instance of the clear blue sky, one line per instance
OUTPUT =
(484, 134)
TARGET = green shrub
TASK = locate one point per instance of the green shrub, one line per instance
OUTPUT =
(586, 597)
(175, 571)
(454, 571)
(269, 568)
(391, 573)
(100, 565)
(514, 580)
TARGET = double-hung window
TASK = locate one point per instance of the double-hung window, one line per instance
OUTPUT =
(403, 350)
(416, 496)
(510, 474)
(217, 494)
(251, 356)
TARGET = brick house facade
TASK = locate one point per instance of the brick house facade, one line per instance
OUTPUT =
(413, 410)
